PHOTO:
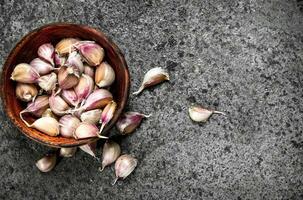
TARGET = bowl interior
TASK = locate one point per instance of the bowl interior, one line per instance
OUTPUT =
(26, 50)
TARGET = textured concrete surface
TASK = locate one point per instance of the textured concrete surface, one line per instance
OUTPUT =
(242, 57)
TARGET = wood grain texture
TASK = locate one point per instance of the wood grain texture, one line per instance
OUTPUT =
(26, 50)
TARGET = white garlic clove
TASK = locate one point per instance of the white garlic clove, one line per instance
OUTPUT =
(200, 114)
(47, 125)
(84, 87)
(105, 75)
(91, 52)
(74, 59)
(66, 46)
(48, 113)
(70, 97)
(129, 121)
(124, 165)
(68, 125)
(107, 114)
(47, 52)
(111, 151)
(67, 77)
(58, 105)
(26, 92)
(91, 116)
(153, 77)
(48, 82)
(90, 148)
(86, 130)
(24, 73)
(41, 66)
(68, 152)
(47, 163)
(89, 71)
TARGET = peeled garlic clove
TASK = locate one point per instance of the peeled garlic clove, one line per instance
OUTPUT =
(59, 60)
(98, 99)
(107, 114)
(105, 75)
(200, 114)
(25, 73)
(153, 77)
(92, 116)
(111, 151)
(70, 97)
(67, 77)
(68, 152)
(89, 71)
(47, 163)
(58, 105)
(90, 148)
(47, 52)
(86, 130)
(47, 125)
(91, 52)
(36, 108)
(74, 59)
(48, 113)
(41, 66)
(124, 165)
(68, 125)
(26, 92)
(84, 87)
(66, 45)
(129, 121)
(48, 82)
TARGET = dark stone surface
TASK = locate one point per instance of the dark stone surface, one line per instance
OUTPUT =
(242, 57)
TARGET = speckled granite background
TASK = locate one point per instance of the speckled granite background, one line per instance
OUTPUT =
(241, 57)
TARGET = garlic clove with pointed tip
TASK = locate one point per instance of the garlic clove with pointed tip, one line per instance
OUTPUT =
(107, 114)
(47, 125)
(90, 149)
(48, 113)
(89, 71)
(41, 66)
(111, 151)
(48, 82)
(200, 114)
(74, 60)
(105, 75)
(24, 73)
(84, 87)
(124, 166)
(129, 121)
(68, 125)
(91, 52)
(68, 77)
(47, 163)
(67, 152)
(47, 52)
(26, 92)
(70, 97)
(66, 46)
(59, 60)
(91, 116)
(58, 105)
(86, 130)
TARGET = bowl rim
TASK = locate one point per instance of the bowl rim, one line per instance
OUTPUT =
(9, 60)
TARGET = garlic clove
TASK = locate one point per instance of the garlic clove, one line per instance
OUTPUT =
(74, 59)
(107, 114)
(67, 77)
(200, 114)
(59, 60)
(98, 99)
(47, 52)
(25, 73)
(89, 71)
(86, 130)
(48, 82)
(68, 125)
(41, 66)
(84, 87)
(111, 151)
(66, 46)
(68, 152)
(26, 92)
(153, 77)
(91, 116)
(70, 97)
(47, 125)
(91, 52)
(90, 148)
(105, 75)
(58, 105)
(124, 166)
(48, 113)
(129, 121)
(47, 163)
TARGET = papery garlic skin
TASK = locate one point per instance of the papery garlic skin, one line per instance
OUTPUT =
(67, 77)
(47, 163)
(111, 151)
(47, 125)
(70, 97)
(107, 114)
(86, 130)
(68, 152)
(47, 52)
(91, 52)
(200, 114)
(84, 87)
(24, 73)
(48, 82)
(37, 107)
(68, 125)
(98, 99)
(91, 116)
(41, 66)
(89, 71)
(74, 59)
(124, 165)
(26, 92)
(90, 149)
(66, 45)
(58, 105)
(129, 121)
(153, 77)
(105, 75)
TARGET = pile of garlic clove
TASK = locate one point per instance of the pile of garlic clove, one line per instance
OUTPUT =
(66, 88)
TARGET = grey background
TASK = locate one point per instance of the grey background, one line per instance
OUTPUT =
(241, 57)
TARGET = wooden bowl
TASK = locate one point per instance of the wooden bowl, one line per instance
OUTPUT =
(26, 50)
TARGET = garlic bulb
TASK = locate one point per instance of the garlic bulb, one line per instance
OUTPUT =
(111, 151)
(67, 77)
(47, 125)
(124, 165)
(91, 116)
(48, 82)
(26, 92)
(91, 52)
(47, 163)
(129, 121)
(105, 75)
(68, 125)
(41, 66)
(66, 45)
(68, 152)
(47, 52)
(107, 114)
(25, 73)
(200, 114)
(153, 77)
